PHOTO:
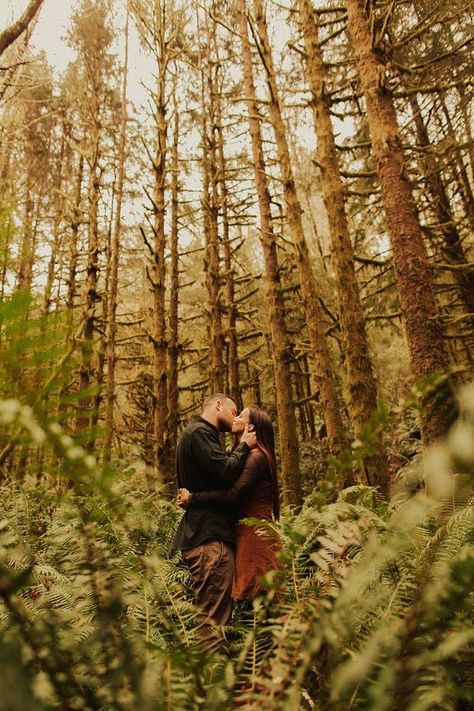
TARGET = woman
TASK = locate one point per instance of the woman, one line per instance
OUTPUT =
(256, 496)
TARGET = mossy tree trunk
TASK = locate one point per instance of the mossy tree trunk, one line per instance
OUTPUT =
(424, 333)
(360, 380)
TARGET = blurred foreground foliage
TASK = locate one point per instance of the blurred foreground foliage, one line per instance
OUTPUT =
(375, 611)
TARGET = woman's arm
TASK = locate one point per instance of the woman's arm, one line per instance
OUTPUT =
(250, 474)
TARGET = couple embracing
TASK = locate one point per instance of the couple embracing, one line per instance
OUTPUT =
(218, 488)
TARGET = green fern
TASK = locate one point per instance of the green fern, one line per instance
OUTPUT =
(376, 610)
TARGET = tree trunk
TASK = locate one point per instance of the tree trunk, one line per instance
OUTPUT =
(321, 367)
(309, 397)
(460, 169)
(423, 329)
(230, 306)
(7, 231)
(281, 349)
(452, 248)
(57, 232)
(211, 226)
(173, 345)
(111, 332)
(158, 23)
(27, 249)
(76, 221)
(87, 370)
(160, 386)
(232, 370)
(359, 373)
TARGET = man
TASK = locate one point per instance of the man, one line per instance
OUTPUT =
(205, 535)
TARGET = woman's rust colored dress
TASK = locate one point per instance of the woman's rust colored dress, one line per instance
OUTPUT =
(255, 550)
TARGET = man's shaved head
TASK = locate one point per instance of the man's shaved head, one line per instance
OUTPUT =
(219, 409)
(211, 399)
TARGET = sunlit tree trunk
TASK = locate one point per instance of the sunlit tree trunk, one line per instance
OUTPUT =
(27, 249)
(280, 345)
(423, 329)
(359, 372)
(210, 204)
(321, 365)
(159, 24)
(230, 305)
(111, 326)
(7, 231)
(91, 35)
(232, 370)
(158, 275)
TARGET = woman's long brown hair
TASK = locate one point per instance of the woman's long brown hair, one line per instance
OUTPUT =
(262, 423)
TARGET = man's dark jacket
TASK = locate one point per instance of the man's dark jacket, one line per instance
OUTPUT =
(203, 465)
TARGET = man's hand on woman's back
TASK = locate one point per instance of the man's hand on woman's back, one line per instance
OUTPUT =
(184, 498)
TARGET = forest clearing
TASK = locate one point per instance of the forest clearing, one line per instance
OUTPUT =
(273, 200)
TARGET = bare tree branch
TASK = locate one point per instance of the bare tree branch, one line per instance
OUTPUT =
(11, 33)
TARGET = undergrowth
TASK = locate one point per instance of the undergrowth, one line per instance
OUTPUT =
(374, 611)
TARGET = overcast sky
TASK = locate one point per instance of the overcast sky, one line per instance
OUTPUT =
(54, 22)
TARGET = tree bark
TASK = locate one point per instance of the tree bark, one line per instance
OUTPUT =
(210, 203)
(173, 345)
(57, 236)
(321, 366)
(75, 223)
(92, 38)
(27, 250)
(232, 370)
(158, 24)
(230, 306)
(87, 370)
(360, 379)
(452, 248)
(160, 346)
(111, 326)
(280, 346)
(428, 352)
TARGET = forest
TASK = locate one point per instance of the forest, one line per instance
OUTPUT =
(272, 199)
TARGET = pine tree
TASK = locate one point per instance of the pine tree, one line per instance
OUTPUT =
(281, 349)
(421, 318)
